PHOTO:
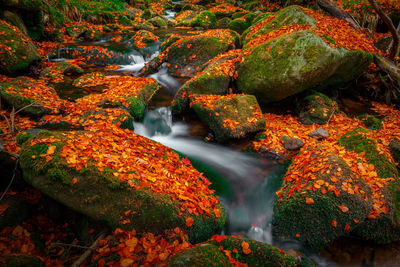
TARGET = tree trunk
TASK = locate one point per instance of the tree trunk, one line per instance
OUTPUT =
(337, 12)
(395, 45)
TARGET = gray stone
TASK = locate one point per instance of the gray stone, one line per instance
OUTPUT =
(319, 134)
(293, 144)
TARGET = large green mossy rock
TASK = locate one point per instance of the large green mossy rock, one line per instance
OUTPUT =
(317, 108)
(212, 81)
(290, 64)
(284, 17)
(187, 55)
(18, 52)
(385, 228)
(205, 19)
(231, 117)
(201, 255)
(14, 19)
(261, 254)
(238, 25)
(312, 221)
(158, 22)
(32, 13)
(10, 94)
(104, 197)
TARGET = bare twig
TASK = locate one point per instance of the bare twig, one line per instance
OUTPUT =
(89, 251)
(12, 178)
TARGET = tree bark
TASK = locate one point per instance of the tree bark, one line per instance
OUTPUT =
(395, 45)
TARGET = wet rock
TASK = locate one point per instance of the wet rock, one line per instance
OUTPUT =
(269, 153)
(101, 195)
(205, 19)
(10, 92)
(239, 25)
(231, 116)
(21, 54)
(223, 23)
(319, 134)
(32, 13)
(371, 122)
(293, 144)
(201, 255)
(305, 207)
(65, 68)
(284, 17)
(259, 254)
(316, 108)
(124, 20)
(14, 19)
(289, 64)
(384, 227)
(187, 55)
(212, 81)
(169, 41)
(158, 22)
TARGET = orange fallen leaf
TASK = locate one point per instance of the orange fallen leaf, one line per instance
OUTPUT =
(189, 221)
(309, 201)
(343, 208)
(334, 223)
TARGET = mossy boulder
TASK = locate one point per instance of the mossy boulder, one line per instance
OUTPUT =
(289, 64)
(101, 195)
(10, 93)
(17, 52)
(186, 56)
(205, 19)
(32, 13)
(284, 17)
(201, 255)
(158, 22)
(261, 254)
(312, 210)
(357, 141)
(316, 108)
(64, 68)
(212, 81)
(239, 25)
(185, 16)
(223, 23)
(384, 227)
(124, 20)
(169, 41)
(14, 19)
(231, 117)
(142, 39)
(371, 122)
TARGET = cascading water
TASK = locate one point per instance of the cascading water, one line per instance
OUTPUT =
(244, 175)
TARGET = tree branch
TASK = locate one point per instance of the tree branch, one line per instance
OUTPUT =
(395, 45)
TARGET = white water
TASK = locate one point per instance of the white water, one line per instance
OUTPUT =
(169, 14)
(137, 62)
(239, 169)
